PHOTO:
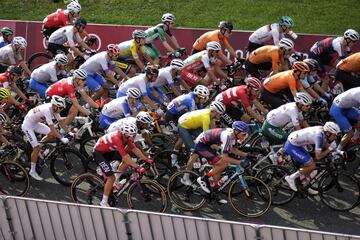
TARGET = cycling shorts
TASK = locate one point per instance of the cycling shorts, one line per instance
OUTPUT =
(344, 117)
(323, 60)
(207, 152)
(299, 154)
(95, 81)
(190, 77)
(124, 65)
(106, 121)
(104, 159)
(273, 134)
(57, 48)
(152, 51)
(31, 129)
(38, 87)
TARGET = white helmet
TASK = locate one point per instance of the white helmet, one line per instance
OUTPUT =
(61, 59)
(20, 41)
(177, 64)
(201, 91)
(332, 127)
(352, 35)
(217, 106)
(80, 74)
(144, 117)
(286, 43)
(129, 129)
(303, 98)
(213, 45)
(58, 101)
(73, 7)
(133, 93)
(168, 17)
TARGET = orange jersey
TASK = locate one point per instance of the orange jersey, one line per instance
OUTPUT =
(282, 80)
(350, 64)
(267, 54)
(200, 43)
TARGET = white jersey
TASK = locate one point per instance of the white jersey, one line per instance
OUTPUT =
(226, 139)
(139, 82)
(98, 62)
(308, 136)
(8, 56)
(117, 108)
(266, 33)
(164, 78)
(348, 99)
(45, 73)
(202, 56)
(284, 114)
(39, 114)
(335, 46)
(65, 34)
(121, 122)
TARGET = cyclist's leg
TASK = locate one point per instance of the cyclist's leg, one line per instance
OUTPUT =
(340, 117)
(153, 52)
(252, 69)
(38, 87)
(95, 82)
(302, 157)
(273, 134)
(104, 163)
(187, 137)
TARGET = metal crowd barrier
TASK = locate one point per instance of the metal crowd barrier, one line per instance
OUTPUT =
(25, 218)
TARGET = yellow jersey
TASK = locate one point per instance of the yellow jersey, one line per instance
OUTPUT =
(196, 119)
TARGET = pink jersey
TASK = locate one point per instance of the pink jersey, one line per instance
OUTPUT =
(62, 88)
(234, 96)
(114, 141)
(58, 19)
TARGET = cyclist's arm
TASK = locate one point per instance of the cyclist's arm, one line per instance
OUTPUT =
(321, 154)
(260, 107)
(4, 140)
(303, 123)
(175, 91)
(11, 101)
(79, 108)
(120, 72)
(24, 66)
(254, 114)
(185, 85)
(210, 72)
(167, 46)
(54, 132)
(150, 102)
(313, 93)
(231, 51)
(175, 42)
(18, 91)
(224, 58)
(140, 64)
(111, 77)
(84, 45)
(77, 51)
(318, 88)
(238, 153)
(157, 95)
(88, 99)
(148, 58)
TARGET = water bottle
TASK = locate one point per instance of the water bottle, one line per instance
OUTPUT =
(119, 185)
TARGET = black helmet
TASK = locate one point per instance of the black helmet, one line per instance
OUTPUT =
(14, 70)
(81, 22)
(226, 25)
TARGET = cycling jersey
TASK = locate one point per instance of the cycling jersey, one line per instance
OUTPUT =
(267, 54)
(4, 80)
(200, 43)
(183, 103)
(308, 136)
(348, 99)
(3, 43)
(218, 136)
(8, 56)
(164, 78)
(97, 63)
(284, 114)
(58, 19)
(65, 35)
(121, 122)
(140, 82)
(196, 119)
(114, 141)
(118, 108)
(282, 80)
(350, 64)
(129, 49)
(156, 32)
(198, 60)
(46, 72)
(63, 88)
(329, 46)
(235, 97)
(266, 33)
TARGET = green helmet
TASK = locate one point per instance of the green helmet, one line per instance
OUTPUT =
(286, 21)
(7, 31)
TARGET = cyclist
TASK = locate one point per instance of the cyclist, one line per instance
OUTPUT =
(60, 18)
(7, 36)
(193, 123)
(345, 111)
(120, 107)
(11, 55)
(282, 86)
(323, 137)
(346, 71)
(33, 123)
(158, 32)
(130, 50)
(205, 59)
(48, 72)
(274, 31)
(242, 96)
(112, 147)
(269, 57)
(3, 121)
(220, 36)
(9, 100)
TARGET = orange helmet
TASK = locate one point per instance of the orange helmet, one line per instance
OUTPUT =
(301, 66)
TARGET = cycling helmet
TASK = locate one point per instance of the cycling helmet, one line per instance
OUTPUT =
(217, 106)
(312, 63)
(226, 25)
(286, 43)
(151, 69)
(2, 117)
(286, 21)
(352, 35)
(253, 82)
(139, 34)
(303, 98)
(113, 48)
(144, 117)
(14, 70)
(201, 91)
(129, 129)
(4, 93)
(61, 59)
(58, 101)
(240, 126)
(332, 127)
(301, 66)
(133, 93)
(81, 22)
(168, 17)
(80, 74)
(213, 46)
(20, 41)
(177, 64)
(73, 7)
(7, 31)
(298, 56)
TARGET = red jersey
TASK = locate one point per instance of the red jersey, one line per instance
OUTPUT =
(234, 96)
(114, 141)
(63, 88)
(58, 19)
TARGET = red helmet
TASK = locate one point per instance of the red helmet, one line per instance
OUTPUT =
(113, 48)
(301, 66)
(253, 83)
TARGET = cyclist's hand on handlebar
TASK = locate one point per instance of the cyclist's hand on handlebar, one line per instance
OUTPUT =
(141, 170)
(251, 155)
(149, 161)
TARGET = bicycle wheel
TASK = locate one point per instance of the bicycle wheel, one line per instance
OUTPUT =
(274, 178)
(352, 162)
(86, 148)
(14, 179)
(87, 189)
(186, 197)
(146, 195)
(38, 59)
(66, 165)
(163, 141)
(341, 191)
(251, 201)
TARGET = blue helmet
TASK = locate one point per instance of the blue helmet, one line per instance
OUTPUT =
(240, 126)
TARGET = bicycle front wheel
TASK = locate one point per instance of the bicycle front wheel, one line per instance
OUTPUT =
(14, 179)
(87, 189)
(252, 200)
(147, 195)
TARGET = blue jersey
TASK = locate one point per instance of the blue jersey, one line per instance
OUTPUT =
(2, 42)
(182, 104)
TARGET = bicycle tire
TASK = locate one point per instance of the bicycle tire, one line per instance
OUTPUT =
(41, 58)
(259, 188)
(89, 184)
(67, 176)
(10, 174)
(86, 148)
(352, 162)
